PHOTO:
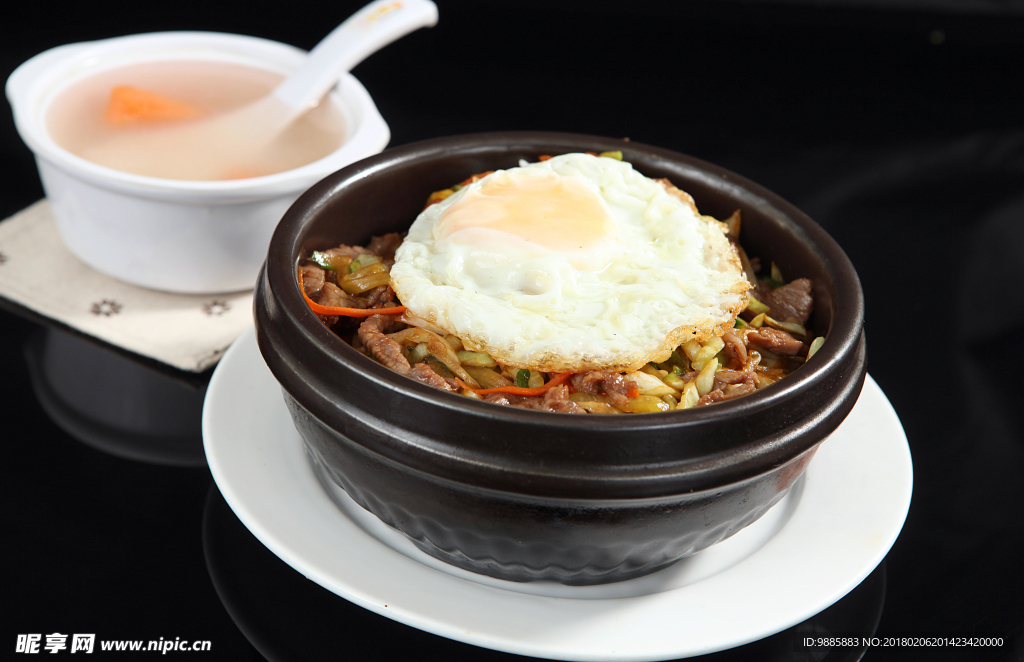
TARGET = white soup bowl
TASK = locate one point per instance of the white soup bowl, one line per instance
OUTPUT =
(191, 237)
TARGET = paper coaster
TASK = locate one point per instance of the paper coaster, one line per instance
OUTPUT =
(37, 271)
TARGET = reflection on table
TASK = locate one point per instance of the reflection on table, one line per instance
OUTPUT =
(114, 403)
(287, 617)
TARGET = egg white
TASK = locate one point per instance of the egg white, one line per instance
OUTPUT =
(656, 274)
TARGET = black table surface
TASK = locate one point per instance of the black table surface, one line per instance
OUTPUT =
(899, 128)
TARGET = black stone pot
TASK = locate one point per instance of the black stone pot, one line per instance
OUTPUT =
(528, 495)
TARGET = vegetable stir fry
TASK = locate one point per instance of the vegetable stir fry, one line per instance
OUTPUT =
(348, 288)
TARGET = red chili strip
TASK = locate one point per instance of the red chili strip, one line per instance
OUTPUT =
(520, 390)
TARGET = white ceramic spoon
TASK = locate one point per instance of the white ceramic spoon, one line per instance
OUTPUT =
(210, 148)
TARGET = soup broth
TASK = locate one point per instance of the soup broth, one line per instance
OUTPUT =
(78, 119)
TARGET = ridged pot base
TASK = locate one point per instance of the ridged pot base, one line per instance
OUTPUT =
(586, 576)
(522, 538)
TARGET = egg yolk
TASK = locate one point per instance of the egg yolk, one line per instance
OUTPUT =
(550, 211)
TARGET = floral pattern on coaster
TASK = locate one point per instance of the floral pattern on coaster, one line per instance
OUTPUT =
(106, 307)
(158, 325)
(216, 307)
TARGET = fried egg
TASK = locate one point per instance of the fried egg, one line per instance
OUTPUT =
(575, 263)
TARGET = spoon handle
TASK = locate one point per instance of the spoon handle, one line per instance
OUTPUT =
(374, 26)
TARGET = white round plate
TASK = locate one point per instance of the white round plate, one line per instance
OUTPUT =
(815, 546)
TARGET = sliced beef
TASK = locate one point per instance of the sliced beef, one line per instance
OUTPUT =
(498, 399)
(734, 348)
(384, 349)
(774, 340)
(604, 382)
(521, 401)
(312, 280)
(727, 391)
(725, 378)
(711, 397)
(332, 295)
(736, 390)
(557, 399)
(386, 245)
(689, 375)
(347, 251)
(791, 302)
(424, 373)
(379, 294)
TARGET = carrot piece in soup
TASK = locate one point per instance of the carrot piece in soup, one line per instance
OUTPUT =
(130, 105)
